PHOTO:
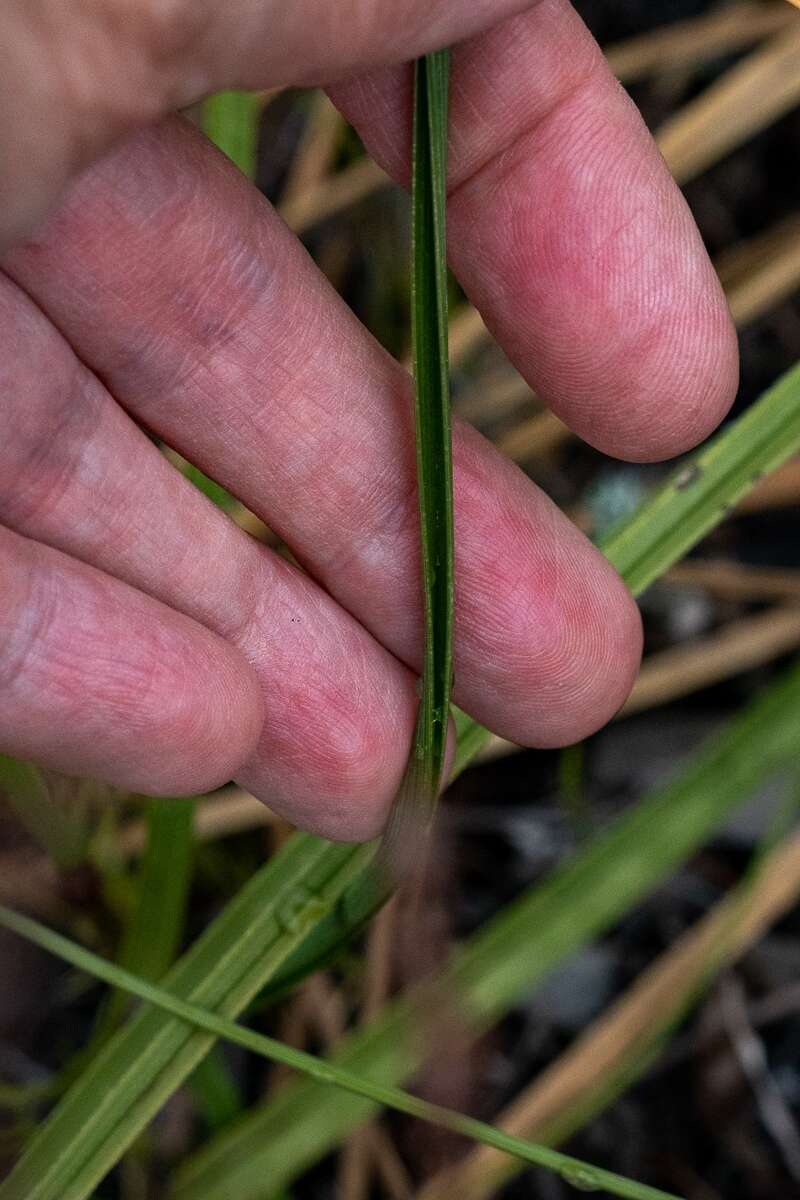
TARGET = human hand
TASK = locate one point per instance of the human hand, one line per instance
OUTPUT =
(145, 638)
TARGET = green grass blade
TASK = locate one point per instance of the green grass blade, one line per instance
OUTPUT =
(416, 801)
(142, 1065)
(572, 1170)
(513, 954)
(434, 456)
(706, 486)
(231, 120)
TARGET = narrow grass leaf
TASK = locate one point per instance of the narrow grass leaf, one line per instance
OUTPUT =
(269, 1148)
(153, 937)
(571, 1170)
(707, 485)
(416, 801)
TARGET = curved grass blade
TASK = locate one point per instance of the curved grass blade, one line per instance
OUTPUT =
(415, 803)
(571, 1170)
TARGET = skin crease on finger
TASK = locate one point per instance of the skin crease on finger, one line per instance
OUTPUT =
(223, 336)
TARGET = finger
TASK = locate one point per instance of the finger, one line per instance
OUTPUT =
(223, 336)
(76, 473)
(569, 235)
(97, 679)
(75, 78)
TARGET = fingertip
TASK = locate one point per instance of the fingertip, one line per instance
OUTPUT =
(549, 637)
(677, 389)
(331, 756)
(577, 659)
(602, 675)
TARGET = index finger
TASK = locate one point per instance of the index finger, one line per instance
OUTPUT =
(568, 233)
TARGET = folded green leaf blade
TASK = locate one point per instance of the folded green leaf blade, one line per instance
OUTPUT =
(165, 878)
(432, 408)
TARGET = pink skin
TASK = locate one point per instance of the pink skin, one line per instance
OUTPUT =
(165, 286)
